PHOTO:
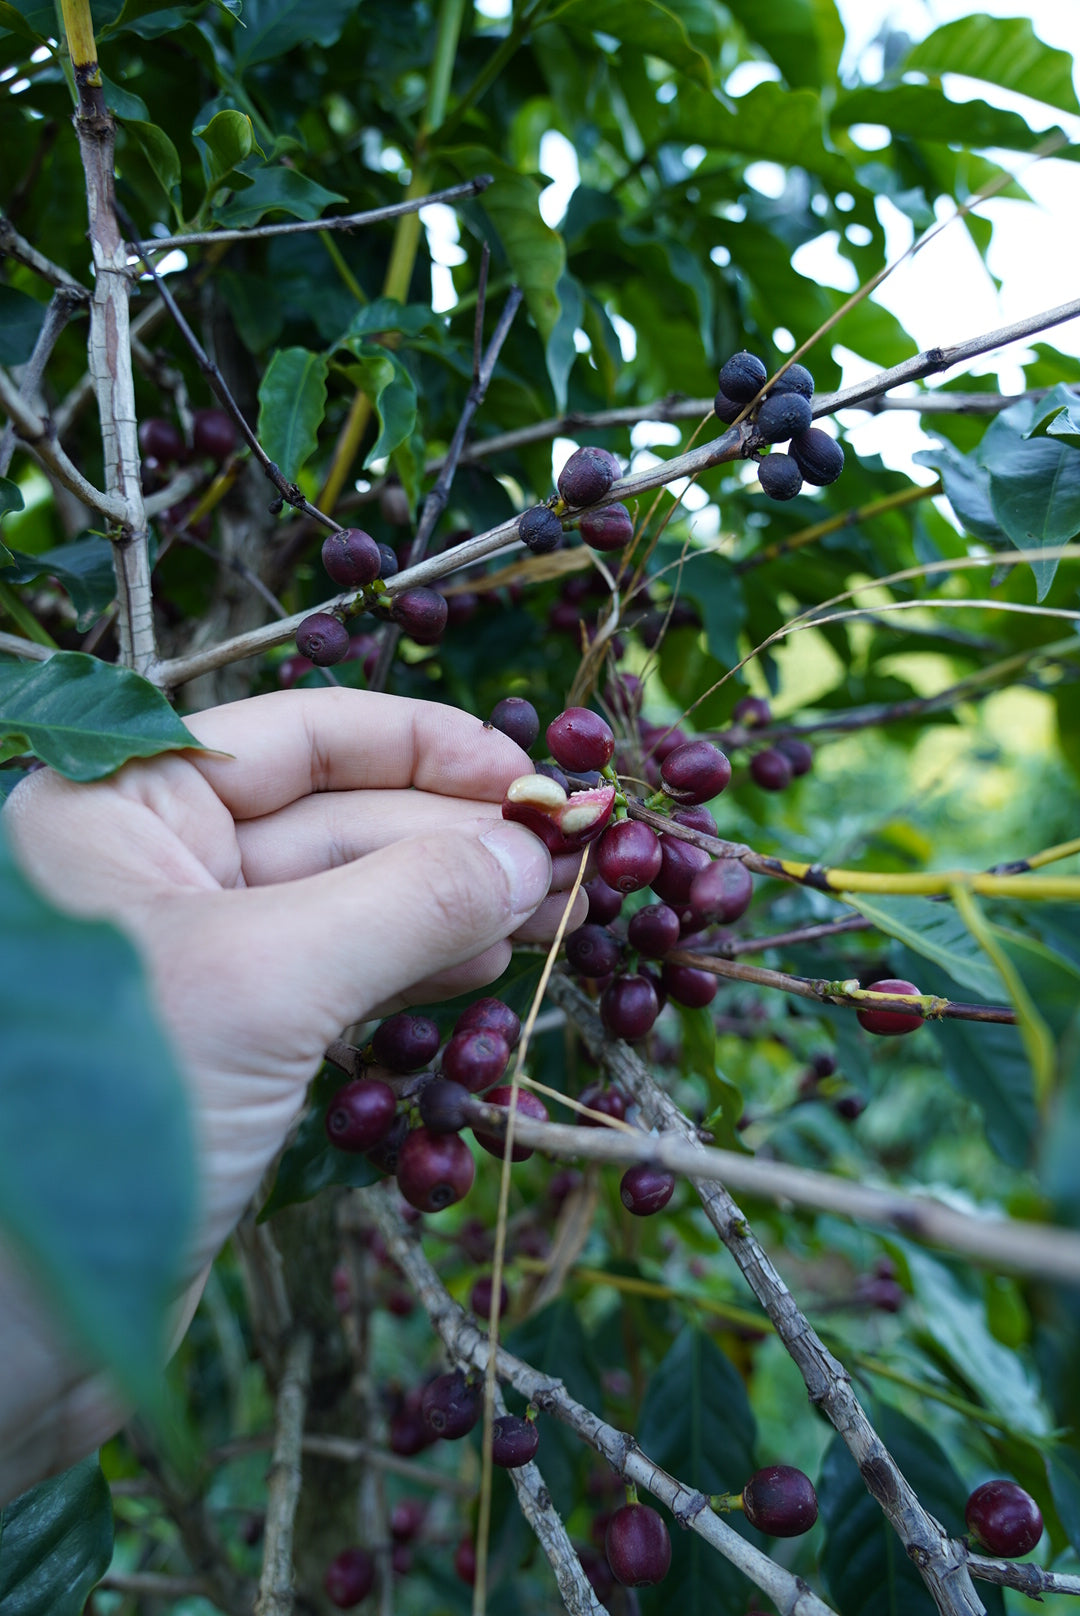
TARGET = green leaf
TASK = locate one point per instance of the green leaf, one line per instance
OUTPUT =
(560, 351)
(1035, 494)
(383, 377)
(535, 252)
(224, 143)
(384, 314)
(649, 26)
(56, 1542)
(967, 488)
(272, 27)
(84, 568)
(924, 112)
(1058, 414)
(771, 121)
(805, 38)
(280, 190)
(988, 1064)
(21, 318)
(555, 1344)
(311, 1163)
(160, 153)
(10, 500)
(936, 931)
(30, 19)
(85, 717)
(1063, 1474)
(99, 1203)
(132, 12)
(292, 403)
(1000, 50)
(712, 583)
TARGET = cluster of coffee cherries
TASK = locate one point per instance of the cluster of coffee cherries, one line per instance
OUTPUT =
(354, 560)
(785, 413)
(163, 448)
(583, 480)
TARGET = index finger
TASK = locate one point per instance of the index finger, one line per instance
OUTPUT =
(292, 743)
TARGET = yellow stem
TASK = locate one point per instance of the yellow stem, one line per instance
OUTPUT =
(931, 883)
(79, 28)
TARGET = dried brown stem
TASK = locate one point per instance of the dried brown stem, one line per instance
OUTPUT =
(275, 1596)
(731, 947)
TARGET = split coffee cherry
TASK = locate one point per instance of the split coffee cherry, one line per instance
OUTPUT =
(480, 1297)
(889, 1023)
(771, 770)
(587, 476)
(644, 1190)
(694, 772)
(518, 718)
(360, 1114)
(529, 1105)
(406, 1043)
(434, 1170)
(609, 528)
(476, 1059)
(637, 1546)
(451, 1405)
(444, 1106)
(654, 930)
(514, 1441)
(351, 558)
(1005, 1519)
(689, 986)
(592, 951)
(490, 1015)
(605, 903)
(721, 893)
(349, 1578)
(798, 754)
(680, 863)
(742, 377)
(213, 434)
(629, 1007)
(540, 530)
(752, 712)
(421, 614)
(323, 639)
(610, 1102)
(629, 856)
(780, 1500)
(579, 740)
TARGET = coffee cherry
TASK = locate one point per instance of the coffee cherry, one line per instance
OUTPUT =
(637, 1544)
(629, 856)
(662, 742)
(540, 529)
(160, 440)
(514, 1441)
(529, 1105)
(725, 409)
(696, 818)
(609, 1101)
(721, 893)
(824, 1064)
(394, 504)
(780, 1500)
(406, 1043)
(629, 1007)
(689, 986)
(605, 903)
(654, 930)
(586, 476)
(518, 718)
(1005, 1519)
(564, 824)
(406, 1519)
(796, 379)
(475, 1059)
(349, 1578)
(592, 951)
(644, 1190)
(551, 771)
(770, 770)
(680, 863)
(779, 476)
(451, 1405)
(881, 1292)
(798, 754)
(385, 1154)
(461, 607)
(889, 1023)
(694, 772)
(609, 528)
(421, 614)
(388, 562)
(580, 739)
(465, 1560)
(360, 1114)
(490, 1015)
(434, 1170)
(481, 1295)
(214, 434)
(351, 558)
(783, 415)
(752, 712)
(850, 1106)
(444, 1106)
(819, 457)
(742, 377)
(598, 1571)
(323, 639)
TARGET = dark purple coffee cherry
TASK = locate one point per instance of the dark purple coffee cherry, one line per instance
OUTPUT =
(782, 416)
(770, 770)
(850, 1106)
(629, 856)
(213, 434)
(592, 951)
(721, 893)
(1004, 1518)
(481, 1295)
(819, 457)
(752, 712)
(637, 1544)
(798, 754)
(518, 718)
(644, 1190)
(680, 863)
(385, 1154)
(465, 1560)
(514, 1441)
(796, 379)
(351, 558)
(609, 528)
(605, 903)
(629, 1006)
(598, 1571)
(696, 818)
(586, 476)
(579, 739)
(552, 772)
(881, 1292)
(742, 377)
(889, 1023)
(349, 1578)
(540, 529)
(444, 1106)
(323, 639)
(725, 409)
(451, 1405)
(779, 476)
(434, 1170)
(780, 1501)
(824, 1064)
(689, 986)
(610, 1101)
(160, 440)
(475, 1058)
(360, 1114)
(695, 772)
(406, 1519)
(421, 614)
(490, 1015)
(529, 1105)
(654, 930)
(388, 561)
(406, 1043)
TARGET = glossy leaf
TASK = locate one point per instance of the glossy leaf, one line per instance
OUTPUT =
(662, 30)
(292, 403)
(534, 251)
(161, 154)
(56, 1542)
(1001, 50)
(805, 38)
(784, 126)
(967, 488)
(989, 1065)
(277, 190)
(21, 319)
(1058, 416)
(391, 389)
(924, 112)
(224, 143)
(387, 314)
(936, 931)
(311, 1163)
(84, 568)
(273, 27)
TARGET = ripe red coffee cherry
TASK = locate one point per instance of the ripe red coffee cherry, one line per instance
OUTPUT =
(798, 754)
(481, 1295)
(451, 1405)
(580, 739)
(1005, 1519)
(349, 1578)
(629, 1007)
(540, 529)
(421, 614)
(770, 770)
(161, 440)
(629, 855)
(695, 772)
(605, 903)
(475, 1059)
(780, 1500)
(644, 1190)
(592, 951)
(696, 818)
(881, 1292)
(889, 1023)
(586, 476)
(406, 1519)
(609, 528)
(654, 930)
(752, 712)
(434, 1170)
(742, 377)
(514, 1441)
(444, 1106)
(680, 863)
(465, 1560)
(689, 986)
(360, 1114)
(637, 1546)
(401, 1559)
(490, 1015)
(722, 892)
(351, 557)
(518, 718)
(323, 639)
(610, 1102)
(529, 1105)
(406, 1043)
(214, 434)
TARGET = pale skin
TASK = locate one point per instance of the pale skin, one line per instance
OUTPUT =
(337, 855)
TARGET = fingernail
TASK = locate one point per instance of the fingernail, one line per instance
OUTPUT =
(525, 860)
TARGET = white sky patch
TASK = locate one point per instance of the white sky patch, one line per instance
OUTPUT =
(648, 434)
(767, 178)
(558, 160)
(748, 75)
(626, 334)
(444, 245)
(561, 450)
(496, 10)
(820, 262)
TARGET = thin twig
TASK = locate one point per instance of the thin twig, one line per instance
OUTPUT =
(156, 1585)
(40, 436)
(17, 247)
(349, 1450)
(275, 1596)
(731, 947)
(59, 311)
(1030, 1579)
(29, 650)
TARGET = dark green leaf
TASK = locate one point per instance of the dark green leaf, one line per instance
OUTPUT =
(967, 488)
(224, 143)
(535, 252)
(771, 121)
(1035, 495)
(989, 1065)
(712, 583)
(21, 318)
(86, 717)
(554, 1342)
(292, 403)
(84, 568)
(999, 50)
(805, 38)
(936, 931)
(29, 19)
(1063, 1474)
(273, 27)
(311, 1163)
(924, 112)
(391, 389)
(560, 351)
(280, 190)
(387, 314)
(161, 154)
(662, 30)
(56, 1542)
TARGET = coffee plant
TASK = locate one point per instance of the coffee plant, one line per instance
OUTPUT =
(305, 392)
